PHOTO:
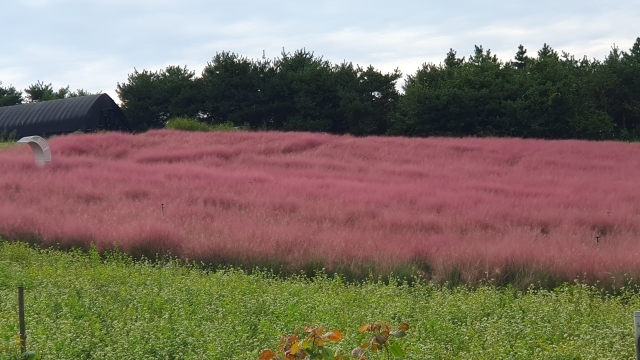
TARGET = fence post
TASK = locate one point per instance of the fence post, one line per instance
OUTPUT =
(23, 331)
(636, 324)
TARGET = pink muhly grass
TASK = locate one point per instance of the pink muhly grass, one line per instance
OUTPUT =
(510, 210)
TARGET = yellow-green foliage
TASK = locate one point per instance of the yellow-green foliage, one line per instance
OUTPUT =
(225, 126)
(192, 124)
(187, 124)
(87, 306)
(4, 144)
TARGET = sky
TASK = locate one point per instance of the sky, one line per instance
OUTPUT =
(94, 45)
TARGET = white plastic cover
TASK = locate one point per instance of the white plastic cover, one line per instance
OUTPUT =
(40, 149)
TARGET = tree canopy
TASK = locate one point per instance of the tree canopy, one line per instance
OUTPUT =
(298, 91)
(9, 96)
(549, 94)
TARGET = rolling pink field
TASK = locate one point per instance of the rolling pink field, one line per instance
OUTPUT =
(455, 209)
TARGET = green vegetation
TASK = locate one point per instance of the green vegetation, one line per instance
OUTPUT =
(87, 306)
(187, 124)
(193, 124)
(549, 95)
(306, 342)
(227, 126)
(37, 92)
(44, 92)
(8, 137)
(9, 95)
(5, 144)
(298, 91)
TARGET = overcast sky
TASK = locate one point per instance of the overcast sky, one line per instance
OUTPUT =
(95, 44)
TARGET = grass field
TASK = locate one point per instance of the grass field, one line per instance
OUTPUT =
(80, 306)
(458, 210)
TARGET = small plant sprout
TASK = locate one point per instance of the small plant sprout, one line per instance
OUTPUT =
(382, 338)
(309, 345)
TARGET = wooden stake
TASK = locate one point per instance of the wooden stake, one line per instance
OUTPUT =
(23, 331)
(636, 324)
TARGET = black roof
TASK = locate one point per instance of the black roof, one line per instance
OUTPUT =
(83, 113)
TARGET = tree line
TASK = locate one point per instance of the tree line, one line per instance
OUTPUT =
(37, 92)
(298, 91)
(550, 95)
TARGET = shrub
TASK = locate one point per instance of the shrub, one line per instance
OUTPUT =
(192, 124)
(186, 124)
(225, 126)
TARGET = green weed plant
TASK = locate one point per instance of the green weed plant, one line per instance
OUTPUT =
(306, 343)
(379, 339)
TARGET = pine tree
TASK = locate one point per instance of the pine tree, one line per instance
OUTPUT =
(9, 96)
(521, 58)
(43, 92)
(547, 52)
(451, 61)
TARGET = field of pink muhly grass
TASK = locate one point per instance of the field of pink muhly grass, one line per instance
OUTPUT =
(454, 209)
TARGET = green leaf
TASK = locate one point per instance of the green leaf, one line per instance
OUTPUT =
(327, 354)
(398, 333)
(397, 351)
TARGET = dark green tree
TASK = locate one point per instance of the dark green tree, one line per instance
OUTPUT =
(305, 92)
(429, 94)
(81, 92)
(543, 109)
(521, 58)
(549, 96)
(458, 98)
(149, 98)
(587, 81)
(234, 88)
(452, 62)
(43, 92)
(297, 92)
(631, 81)
(619, 89)
(367, 99)
(9, 96)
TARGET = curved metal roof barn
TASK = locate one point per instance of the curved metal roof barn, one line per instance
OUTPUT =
(83, 113)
